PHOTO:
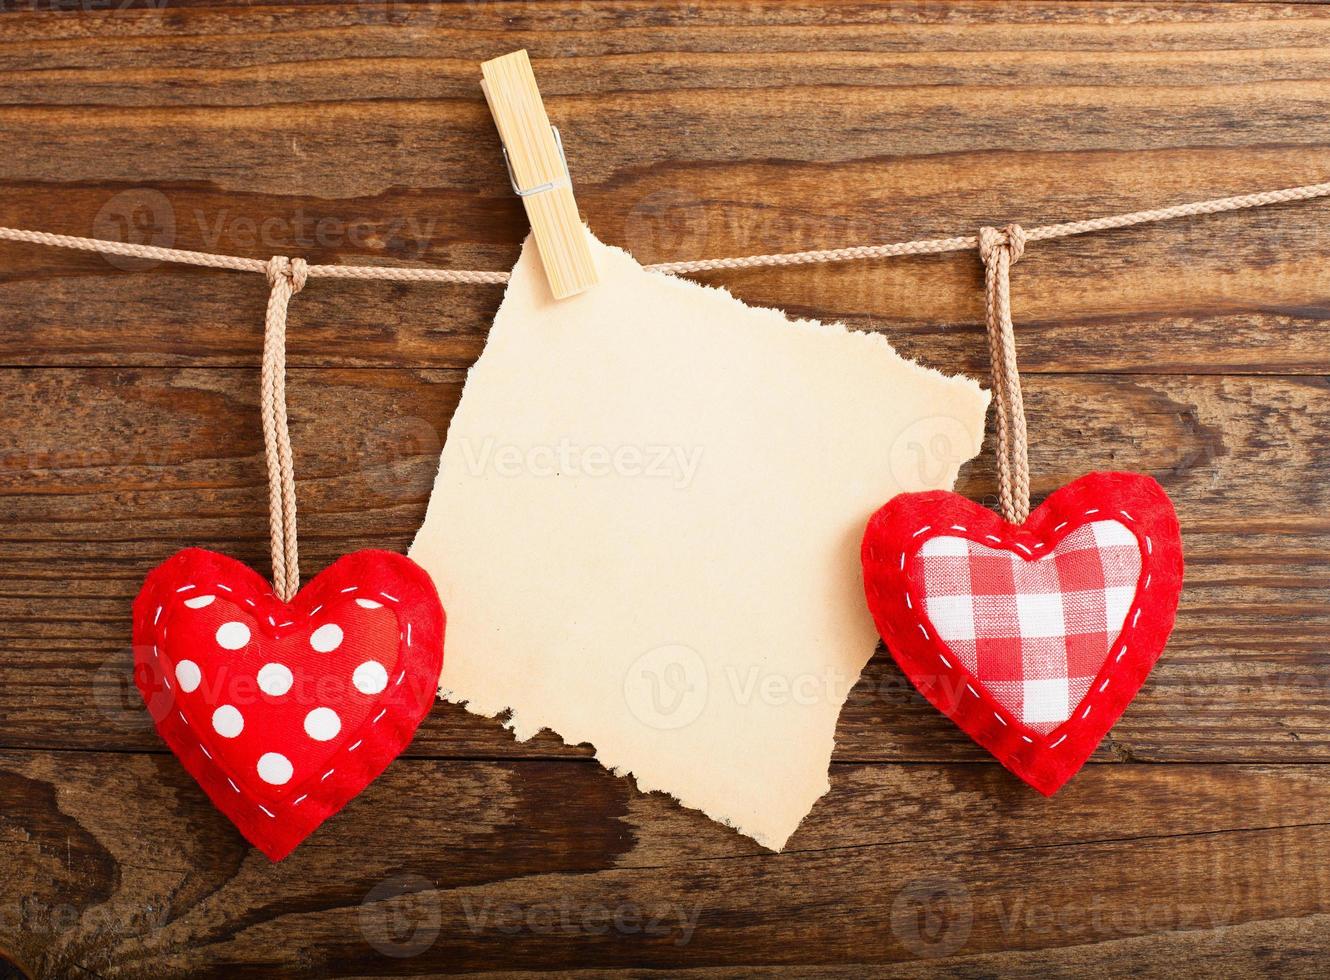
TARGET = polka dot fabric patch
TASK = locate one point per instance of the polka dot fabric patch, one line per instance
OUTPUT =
(1032, 638)
(284, 712)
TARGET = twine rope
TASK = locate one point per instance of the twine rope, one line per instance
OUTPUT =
(929, 246)
(286, 277)
(999, 249)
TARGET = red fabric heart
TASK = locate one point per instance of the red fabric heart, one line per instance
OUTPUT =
(284, 712)
(1032, 638)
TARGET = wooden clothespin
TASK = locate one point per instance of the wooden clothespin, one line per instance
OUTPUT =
(538, 171)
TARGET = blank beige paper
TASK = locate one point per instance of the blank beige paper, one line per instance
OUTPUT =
(645, 528)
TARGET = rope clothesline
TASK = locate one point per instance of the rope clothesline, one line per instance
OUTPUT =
(930, 246)
(999, 249)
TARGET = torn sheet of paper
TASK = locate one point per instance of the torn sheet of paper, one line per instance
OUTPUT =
(645, 528)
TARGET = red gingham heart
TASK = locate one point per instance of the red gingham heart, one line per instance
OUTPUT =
(284, 712)
(1035, 638)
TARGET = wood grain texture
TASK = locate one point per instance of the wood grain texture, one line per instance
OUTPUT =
(353, 132)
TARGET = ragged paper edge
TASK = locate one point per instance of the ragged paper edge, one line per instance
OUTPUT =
(510, 716)
(507, 717)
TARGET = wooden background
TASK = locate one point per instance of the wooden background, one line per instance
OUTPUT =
(1195, 350)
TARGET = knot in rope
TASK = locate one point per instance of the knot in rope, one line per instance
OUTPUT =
(294, 271)
(1011, 237)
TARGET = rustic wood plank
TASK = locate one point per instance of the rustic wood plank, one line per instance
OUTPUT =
(353, 132)
(854, 124)
(1259, 303)
(1171, 857)
(112, 470)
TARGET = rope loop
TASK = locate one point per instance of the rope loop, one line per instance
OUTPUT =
(286, 278)
(999, 248)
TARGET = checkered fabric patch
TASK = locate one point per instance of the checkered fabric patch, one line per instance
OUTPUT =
(1033, 632)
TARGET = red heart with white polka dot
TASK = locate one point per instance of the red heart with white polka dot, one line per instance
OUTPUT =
(284, 712)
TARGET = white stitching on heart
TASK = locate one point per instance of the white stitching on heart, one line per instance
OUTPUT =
(1149, 550)
(377, 718)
